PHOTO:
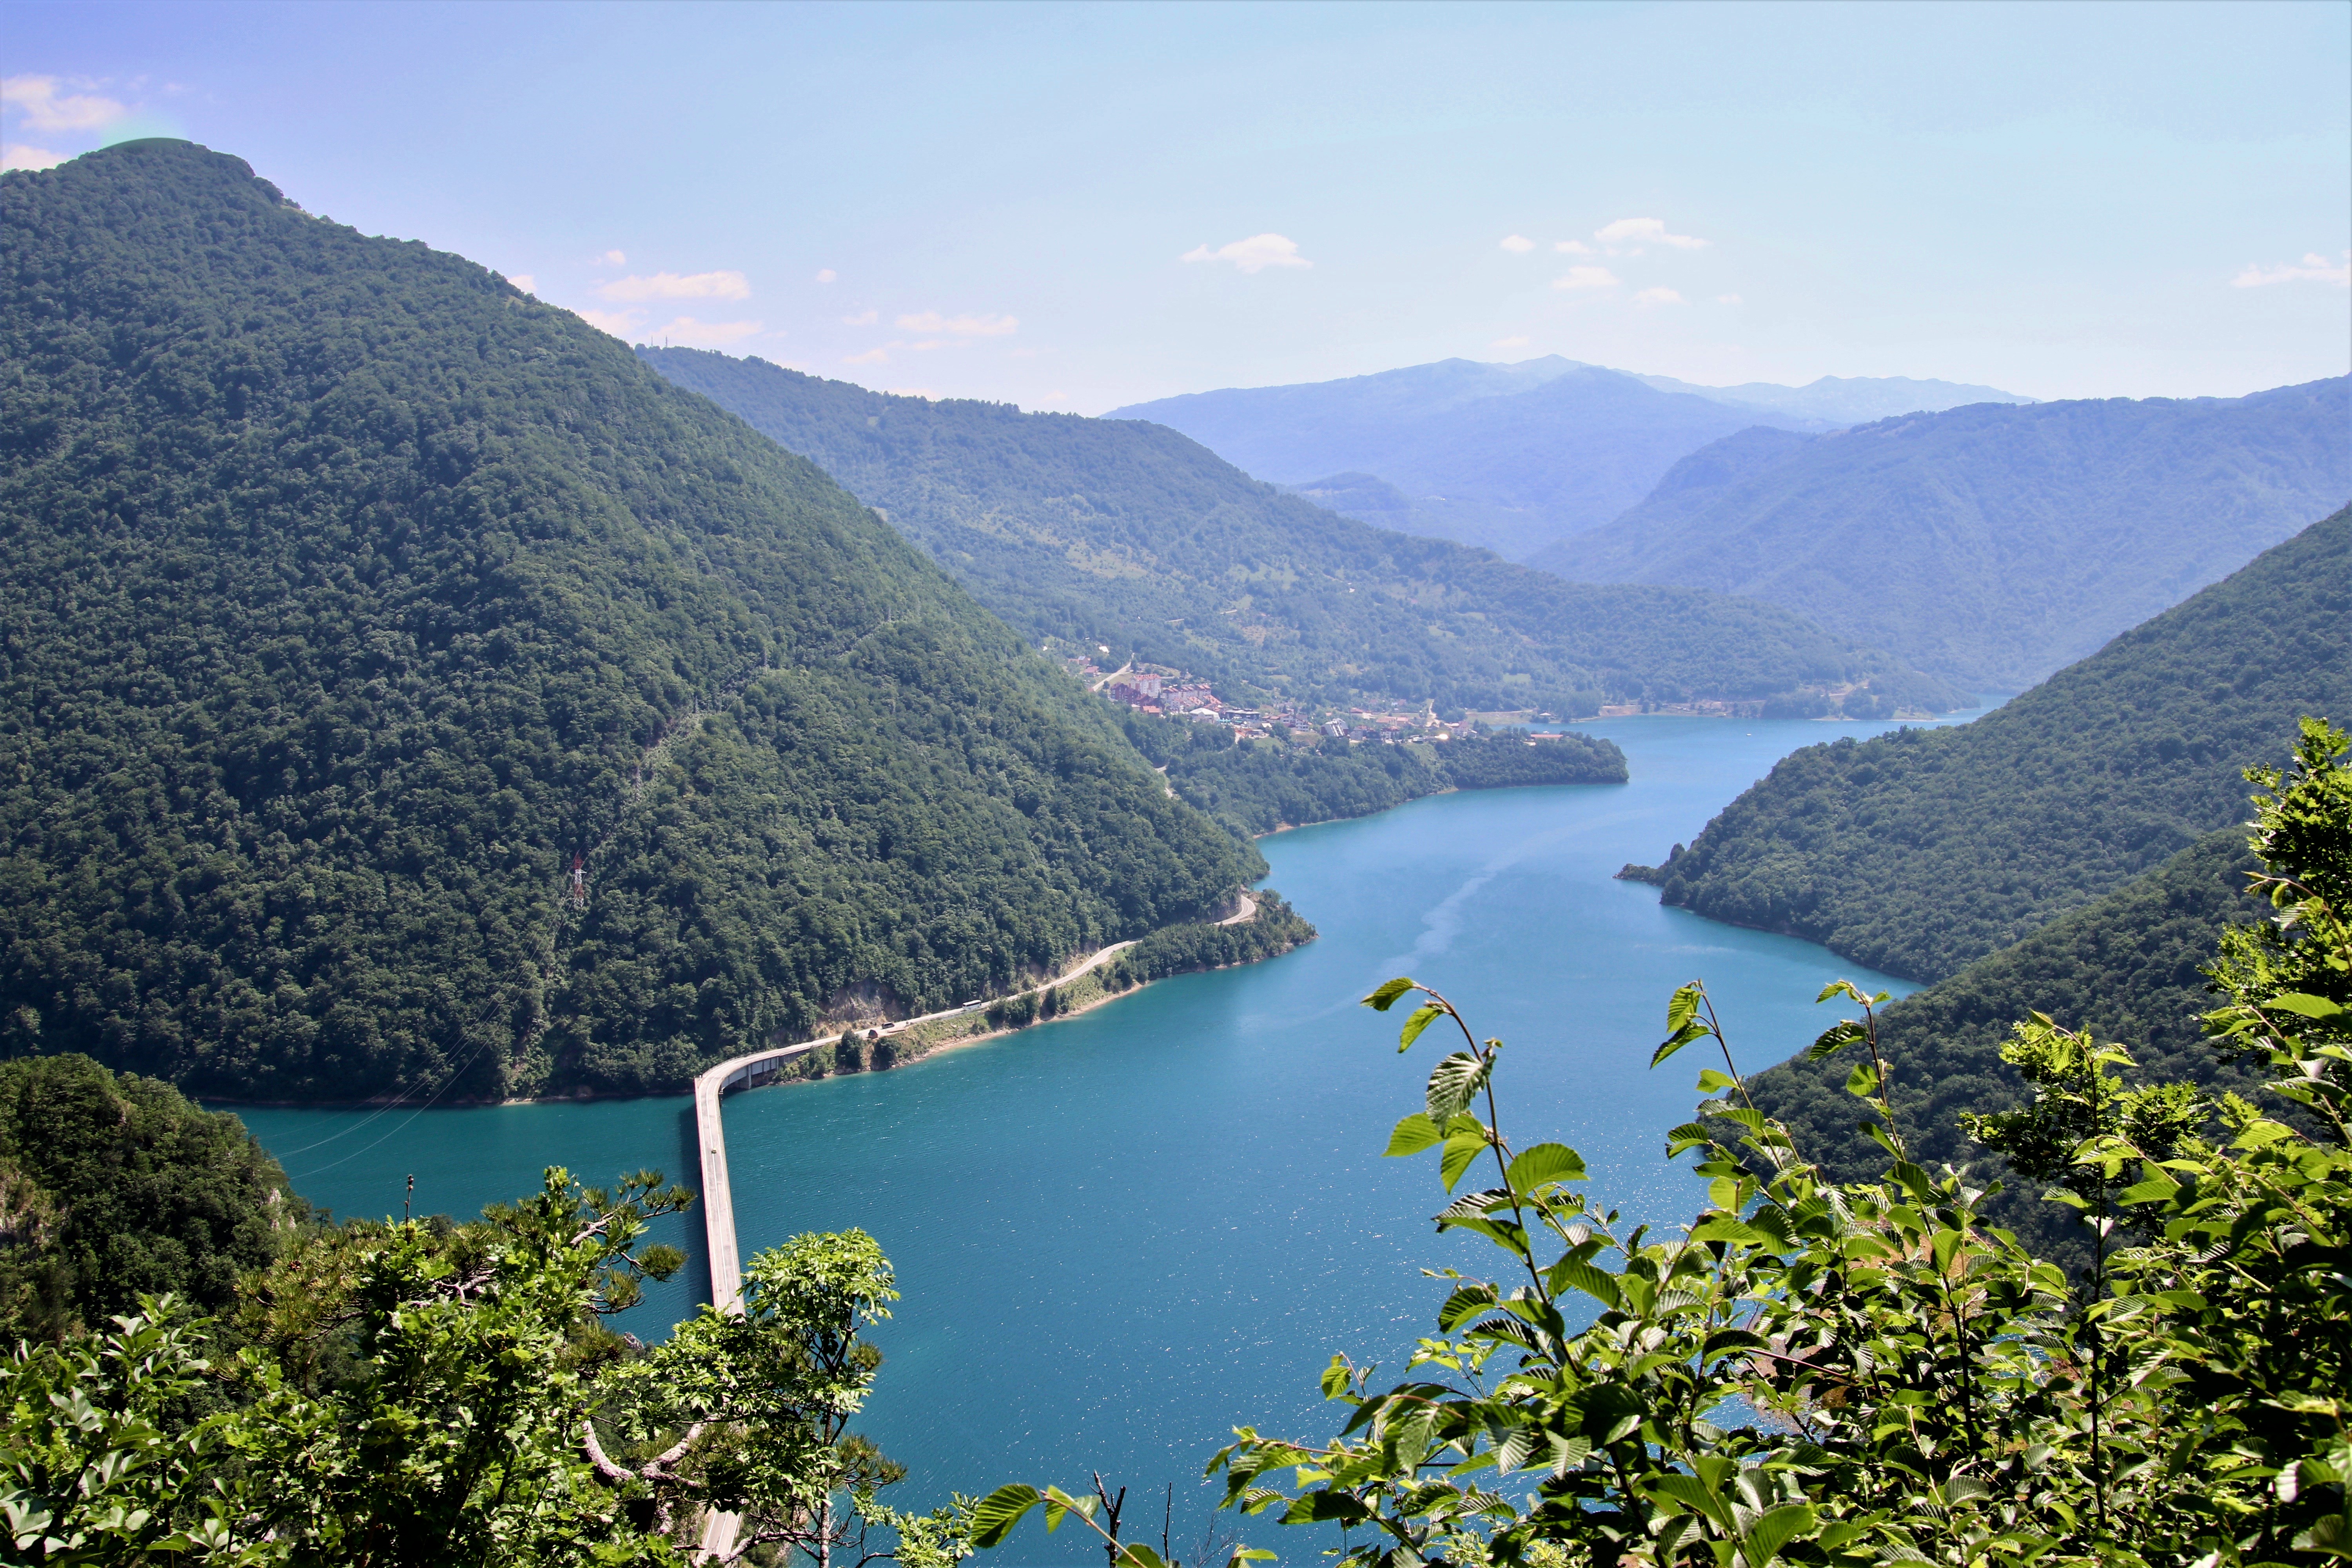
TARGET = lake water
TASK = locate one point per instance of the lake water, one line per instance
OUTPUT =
(1122, 1234)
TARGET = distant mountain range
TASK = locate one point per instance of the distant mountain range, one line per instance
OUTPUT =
(1130, 536)
(1510, 457)
(1989, 544)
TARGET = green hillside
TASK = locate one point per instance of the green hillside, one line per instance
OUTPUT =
(1263, 786)
(114, 1185)
(1921, 851)
(1130, 535)
(2126, 967)
(1989, 544)
(346, 595)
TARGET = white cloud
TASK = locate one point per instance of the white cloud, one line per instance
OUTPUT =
(1519, 244)
(17, 155)
(1586, 277)
(960, 326)
(671, 286)
(862, 319)
(1633, 233)
(1055, 397)
(2314, 268)
(1256, 253)
(40, 101)
(613, 258)
(828, 275)
(702, 334)
(1572, 248)
(1512, 343)
(1657, 296)
(525, 281)
(871, 356)
(1729, 299)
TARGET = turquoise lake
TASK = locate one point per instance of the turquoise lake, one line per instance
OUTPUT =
(1122, 1234)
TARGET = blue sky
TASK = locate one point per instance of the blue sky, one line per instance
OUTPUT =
(1080, 207)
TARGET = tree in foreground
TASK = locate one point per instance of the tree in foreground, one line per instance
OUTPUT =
(1812, 1372)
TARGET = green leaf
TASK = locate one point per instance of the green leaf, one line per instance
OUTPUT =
(999, 1511)
(2306, 1005)
(1422, 1016)
(1678, 1040)
(1060, 1505)
(1453, 1082)
(1532, 1167)
(1836, 1038)
(1413, 1134)
(1713, 1082)
(1775, 1531)
(1461, 1149)
(1383, 998)
(1862, 1081)
(1574, 1273)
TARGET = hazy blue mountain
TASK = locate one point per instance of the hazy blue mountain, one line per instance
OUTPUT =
(1508, 456)
(1128, 535)
(1844, 399)
(1991, 545)
(1920, 851)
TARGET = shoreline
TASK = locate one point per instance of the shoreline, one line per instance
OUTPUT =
(801, 1049)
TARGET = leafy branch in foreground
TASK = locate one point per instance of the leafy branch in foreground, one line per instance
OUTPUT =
(1823, 1373)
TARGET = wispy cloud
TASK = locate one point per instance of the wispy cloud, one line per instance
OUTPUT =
(2313, 268)
(47, 103)
(1572, 248)
(1633, 233)
(525, 281)
(1518, 244)
(960, 326)
(1729, 299)
(613, 258)
(1586, 277)
(871, 356)
(675, 285)
(1648, 297)
(828, 275)
(1055, 397)
(1256, 253)
(19, 155)
(862, 319)
(1512, 343)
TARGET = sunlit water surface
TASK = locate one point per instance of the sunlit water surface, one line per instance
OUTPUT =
(1122, 1234)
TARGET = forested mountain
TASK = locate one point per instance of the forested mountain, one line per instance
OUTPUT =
(1921, 851)
(1991, 544)
(350, 599)
(1130, 535)
(1508, 456)
(1261, 785)
(2126, 967)
(1843, 399)
(112, 1186)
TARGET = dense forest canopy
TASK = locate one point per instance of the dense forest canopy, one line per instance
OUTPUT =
(347, 595)
(1921, 851)
(2127, 967)
(1989, 544)
(115, 1186)
(1128, 535)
